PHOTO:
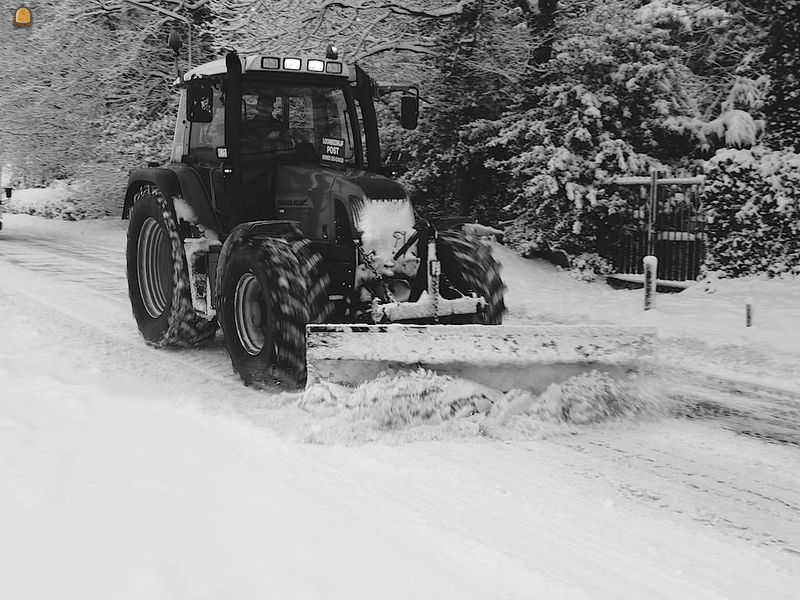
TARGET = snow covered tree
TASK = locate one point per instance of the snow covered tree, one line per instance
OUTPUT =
(752, 198)
(628, 89)
(782, 56)
(51, 95)
(482, 72)
(89, 91)
(360, 28)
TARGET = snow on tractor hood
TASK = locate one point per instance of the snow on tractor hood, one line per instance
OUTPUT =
(383, 214)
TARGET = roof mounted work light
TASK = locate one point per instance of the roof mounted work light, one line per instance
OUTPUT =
(270, 62)
(292, 64)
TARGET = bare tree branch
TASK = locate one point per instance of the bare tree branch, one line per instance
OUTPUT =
(419, 48)
(148, 6)
(398, 8)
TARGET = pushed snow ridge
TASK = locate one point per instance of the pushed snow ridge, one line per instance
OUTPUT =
(421, 402)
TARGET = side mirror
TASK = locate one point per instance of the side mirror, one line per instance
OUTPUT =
(200, 102)
(174, 42)
(409, 111)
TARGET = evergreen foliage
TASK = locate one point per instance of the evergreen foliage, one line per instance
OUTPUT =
(782, 58)
(753, 202)
(626, 91)
(451, 173)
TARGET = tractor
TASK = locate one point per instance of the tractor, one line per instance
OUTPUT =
(274, 212)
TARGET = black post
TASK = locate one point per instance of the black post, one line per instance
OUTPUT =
(364, 93)
(233, 140)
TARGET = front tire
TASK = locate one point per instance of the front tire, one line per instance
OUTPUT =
(468, 266)
(158, 281)
(269, 290)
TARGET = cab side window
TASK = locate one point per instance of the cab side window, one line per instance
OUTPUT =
(205, 137)
(360, 117)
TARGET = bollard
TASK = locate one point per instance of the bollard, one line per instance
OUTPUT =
(650, 268)
(748, 312)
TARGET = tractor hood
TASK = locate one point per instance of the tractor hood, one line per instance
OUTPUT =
(374, 187)
(380, 210)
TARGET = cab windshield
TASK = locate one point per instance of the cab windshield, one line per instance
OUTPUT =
(297, 123)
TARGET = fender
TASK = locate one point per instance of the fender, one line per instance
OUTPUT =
(278, 229)
(174, 180)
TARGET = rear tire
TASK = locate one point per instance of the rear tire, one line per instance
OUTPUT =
(270, 288)
(468, 266)
(158, 281)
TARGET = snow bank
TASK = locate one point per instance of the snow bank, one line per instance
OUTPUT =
(702, 328)
(98, 190)
(436, 405)
(54, 202)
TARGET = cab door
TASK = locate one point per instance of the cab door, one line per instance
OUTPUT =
(206, 116)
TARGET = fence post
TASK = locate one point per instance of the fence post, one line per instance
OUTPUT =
(748, 311)
(650, 269)
(651, 212)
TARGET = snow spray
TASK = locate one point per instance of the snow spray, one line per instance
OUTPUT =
(650, 268)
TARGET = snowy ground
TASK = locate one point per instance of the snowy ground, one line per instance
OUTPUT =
(134, 473)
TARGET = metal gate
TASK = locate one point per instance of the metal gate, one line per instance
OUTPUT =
(663, 217)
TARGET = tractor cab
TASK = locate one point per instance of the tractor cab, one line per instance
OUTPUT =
(270, 137)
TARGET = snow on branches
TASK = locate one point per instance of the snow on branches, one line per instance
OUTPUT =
(752, 198)
(626, 91)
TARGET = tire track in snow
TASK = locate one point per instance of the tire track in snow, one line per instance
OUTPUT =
(755, 500)
(105, 322)
(75, 285)
(747, 408)
(100, 271)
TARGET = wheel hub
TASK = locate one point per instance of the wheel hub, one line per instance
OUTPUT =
(153, 267)
(249, 314)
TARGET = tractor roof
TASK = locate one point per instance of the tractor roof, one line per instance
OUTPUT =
(273, 63)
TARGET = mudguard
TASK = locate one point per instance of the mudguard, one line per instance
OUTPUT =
(174, 180)
(250, 229)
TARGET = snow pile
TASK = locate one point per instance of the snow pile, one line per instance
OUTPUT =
(397, 400)
(584, 399)
(53, 202)
(407, 400)
(97, 190)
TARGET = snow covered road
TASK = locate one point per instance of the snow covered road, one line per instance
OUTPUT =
(128, 472)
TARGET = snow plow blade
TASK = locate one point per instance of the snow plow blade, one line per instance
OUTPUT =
(503, 357)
